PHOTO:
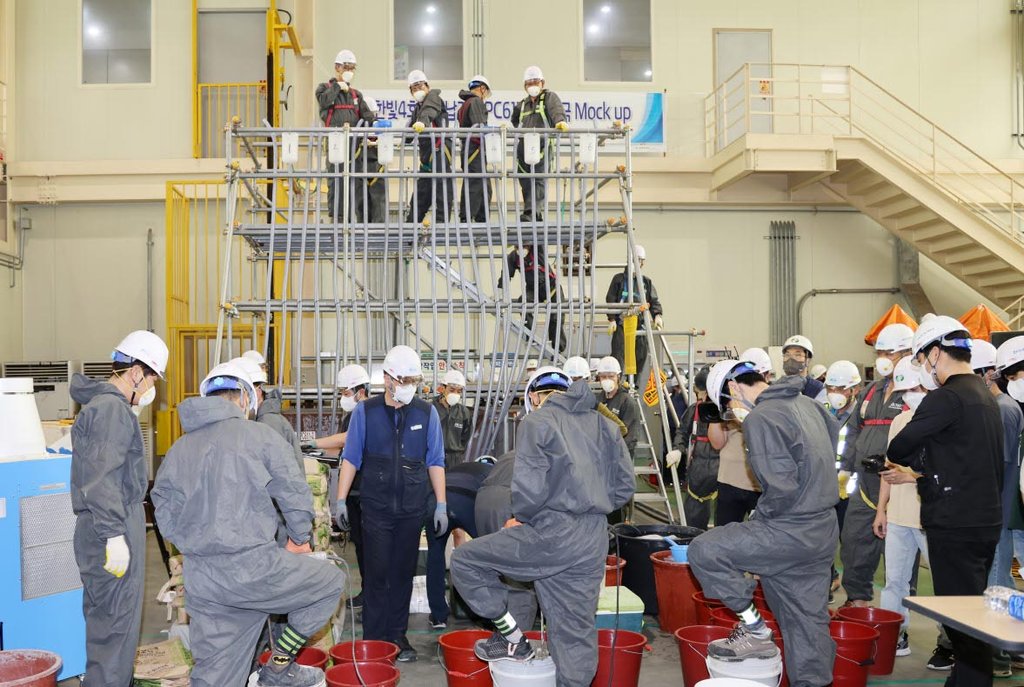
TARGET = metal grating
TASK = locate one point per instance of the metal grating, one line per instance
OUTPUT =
(48, 563)
(41, 372)
(782, 275)
(98, 370)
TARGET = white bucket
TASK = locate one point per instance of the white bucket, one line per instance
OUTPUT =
(760, 671)
(535, 673)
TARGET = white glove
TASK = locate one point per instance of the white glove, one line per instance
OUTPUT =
(658, 322)
(673, 457)
(612, 326)
(117, 556)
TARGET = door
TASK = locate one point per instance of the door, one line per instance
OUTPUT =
(733, 49)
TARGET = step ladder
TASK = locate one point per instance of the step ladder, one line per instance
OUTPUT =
(646, 462)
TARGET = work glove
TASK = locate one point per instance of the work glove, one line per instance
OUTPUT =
(341, 515)
(562, 126)
(673, 457)
(343, 86)
(658, 322)
(418, 127)
(612, 326)
(308, 445)
(118, 556)
(441, 519)
(844, 479)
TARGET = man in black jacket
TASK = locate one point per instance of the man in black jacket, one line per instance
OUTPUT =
(435, 152)
(621, 291)
(540, 109)
(539, 285)
(960, 431)
(476, 193)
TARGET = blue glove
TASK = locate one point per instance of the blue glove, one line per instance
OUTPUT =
(341, 515)
(441, 519)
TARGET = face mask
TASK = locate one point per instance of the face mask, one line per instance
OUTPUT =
(418, 96)
(738, 414)
(533, 91)
(404, 393)
(148, 397)
(1016, 389)
(608, 385)
(453, 399)
(837, 401)
(883, 366)
(793, 367)
(347, 76)
(928, 380)
(348, 403)
(913, 398)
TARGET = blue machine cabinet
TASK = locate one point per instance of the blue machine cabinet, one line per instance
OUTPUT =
(40, 589)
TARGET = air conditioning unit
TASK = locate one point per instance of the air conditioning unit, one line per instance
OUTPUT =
(99, 370)
(51, 381)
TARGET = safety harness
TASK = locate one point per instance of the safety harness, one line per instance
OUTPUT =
(874, 422)
(689, 458)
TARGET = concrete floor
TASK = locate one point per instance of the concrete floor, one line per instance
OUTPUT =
(660, 665)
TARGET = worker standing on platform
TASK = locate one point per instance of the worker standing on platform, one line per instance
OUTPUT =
(456, 418)
(540, 109)
(340, 105)
(108, 486)
(435, 189)
(476, 193)
(395, 441)
(621, 290)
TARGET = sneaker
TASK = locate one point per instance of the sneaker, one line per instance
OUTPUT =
(1002, 672)
(293, 675)
(903, 645)
(743, 644)
(438, 624)
(1017, 661)
(942, 659)
(497, 648)
(406, 654)
(356, 601)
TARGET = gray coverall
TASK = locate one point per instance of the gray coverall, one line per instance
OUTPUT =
(457, 428)
(571, 469)
(542, 112)
(867, 435)
(791, 539)
(269, 414)
(215, 495)
(108, 485)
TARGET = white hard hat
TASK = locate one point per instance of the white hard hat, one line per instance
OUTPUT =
(938, 328)
(759, 357)
(800, 341)
(576, 367)
(983, 354)
(252, 368)
(144, 347)
(608, 364)
(533, 72)
(532, 364)
(229, 375)
(842, 374)
(905, 375)
(402, 361)
(480, 79)
(547, 377)
(352, 376)
(1009, 353)
(641, 253)
(895, 337)
(721, 373)
(345, 57)
(817, 371)
(255, 356)
(416, 76)
(455, 378)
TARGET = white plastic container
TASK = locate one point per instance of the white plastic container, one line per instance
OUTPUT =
(535, 673)
(531, 148)
(21, 433)
(759, 671)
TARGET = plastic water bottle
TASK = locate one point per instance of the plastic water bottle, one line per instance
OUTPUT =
(1005, 600)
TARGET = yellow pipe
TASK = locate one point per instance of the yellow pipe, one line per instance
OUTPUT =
(196, 143)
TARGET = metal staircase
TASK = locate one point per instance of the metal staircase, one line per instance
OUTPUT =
(835, 126)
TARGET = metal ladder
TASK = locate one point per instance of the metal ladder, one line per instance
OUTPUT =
(647, 502)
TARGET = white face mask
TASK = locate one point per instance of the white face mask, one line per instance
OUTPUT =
(928, 380)
(608, 385)
(347, 76)
(453, 399)
(913, 398)
(1016, 389)
(837, 401)
(348, 403)
(418, 96)
(533, 91)
(404, 393)
(738, 414)
(883, 366)
(146, 398)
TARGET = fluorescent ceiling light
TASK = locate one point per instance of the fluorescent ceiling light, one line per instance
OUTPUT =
(94, 30)
(431, 9)
(648, 72)
(428, 29)
(605, 9)
(593, 28)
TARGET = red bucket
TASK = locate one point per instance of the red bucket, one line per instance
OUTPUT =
(888, 625)
(760, 603)
(365, 650)
(693, 650)
(29, 668)
(675, 585)
(704, 606)
(360, 674)
(629, 649)
(464, 669)
(613, 571)
(855, 652)
(723, 617)
(308, 656)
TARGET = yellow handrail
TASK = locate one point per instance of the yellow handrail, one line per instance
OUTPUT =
(217, 103)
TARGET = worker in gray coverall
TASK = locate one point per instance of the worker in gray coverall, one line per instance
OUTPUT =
(108, 485)
(571, 470)
(268, 408)
(792, 537)
(215, 498)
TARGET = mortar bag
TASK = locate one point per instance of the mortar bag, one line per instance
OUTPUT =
(629, 344)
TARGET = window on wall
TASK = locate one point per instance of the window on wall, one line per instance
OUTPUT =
(617, 40)
(428, 36)
(116, 41)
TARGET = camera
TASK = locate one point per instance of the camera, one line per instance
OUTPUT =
(874, 464)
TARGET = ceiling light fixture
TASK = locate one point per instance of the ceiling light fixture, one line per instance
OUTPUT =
(94, 31)
(428, 29)
(593, 28)
(648, 73)
(605, 9)
(431, 9)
